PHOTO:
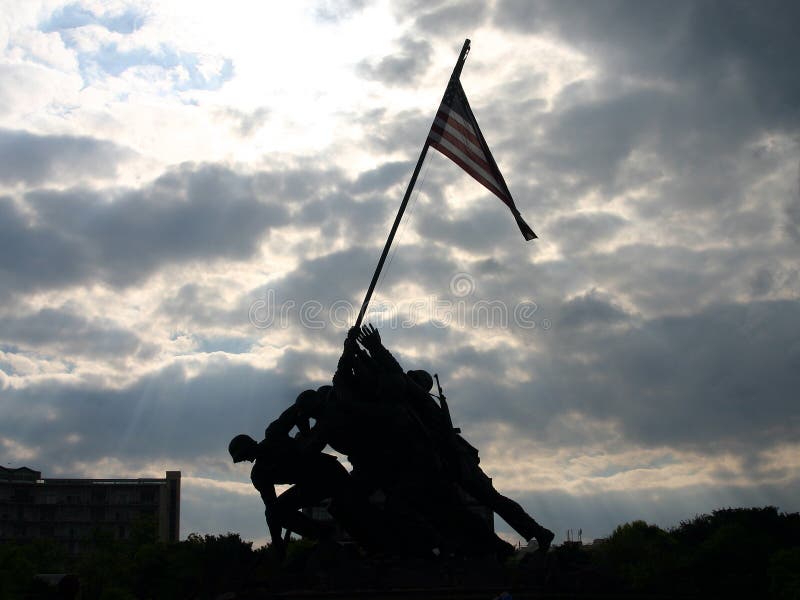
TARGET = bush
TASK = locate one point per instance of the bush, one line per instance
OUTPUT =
(642, 555)
(784, 574)
(729, 551)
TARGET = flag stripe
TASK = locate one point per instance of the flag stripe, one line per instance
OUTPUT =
(473, 152)
(469, 165)
(468, 151)
(455, 133)
(451, 118)
(461, 163)
(456, 114)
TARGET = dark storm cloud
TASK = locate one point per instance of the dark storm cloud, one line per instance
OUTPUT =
(716, 376)
(719, 379)
(329, 278)
(684, 93)
(690, 153)
(120, 237)
(485, 228)
(453, 18)
(673, 278)
(428, 263)
(194, 303)
(398, 132)
(342, 216)
(761, 282)
(341, 278)
(301, 184)
(65, 332)
(382, 177)
(359, 211)
(356, 211)
(403, 67)
(792, 212)
(592, 137)
(582, 231)
(739, 45)
(591, 309)
(36, 159)
(167, 414)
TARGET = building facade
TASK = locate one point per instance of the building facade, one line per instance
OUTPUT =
(69, 510)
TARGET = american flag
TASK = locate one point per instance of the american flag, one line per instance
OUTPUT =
(455, 133)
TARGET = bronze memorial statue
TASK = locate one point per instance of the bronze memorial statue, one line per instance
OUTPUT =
(403, 449)
(400, 441)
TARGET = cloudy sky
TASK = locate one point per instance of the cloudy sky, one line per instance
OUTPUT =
(193, 197)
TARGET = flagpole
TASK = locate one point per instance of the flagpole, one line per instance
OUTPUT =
(455, 75)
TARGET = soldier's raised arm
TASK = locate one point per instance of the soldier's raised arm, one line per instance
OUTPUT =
(371, 340)
(344, 369)
(281, 426)
(309, 406)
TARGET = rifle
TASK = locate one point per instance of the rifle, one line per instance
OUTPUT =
(445, 407)
(460, 442)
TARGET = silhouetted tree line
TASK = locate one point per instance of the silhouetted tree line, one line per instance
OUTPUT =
(202, 566)
(733, 553)
(752, 552)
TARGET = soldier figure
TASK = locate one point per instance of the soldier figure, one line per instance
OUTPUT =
(280, 459)
(460, 456)
(400, 441)
(419, 474)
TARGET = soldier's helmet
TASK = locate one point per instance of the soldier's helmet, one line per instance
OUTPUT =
(308, 402)
(241, 448)
(422, 378)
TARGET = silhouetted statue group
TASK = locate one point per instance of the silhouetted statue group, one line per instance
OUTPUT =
(400, 442)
